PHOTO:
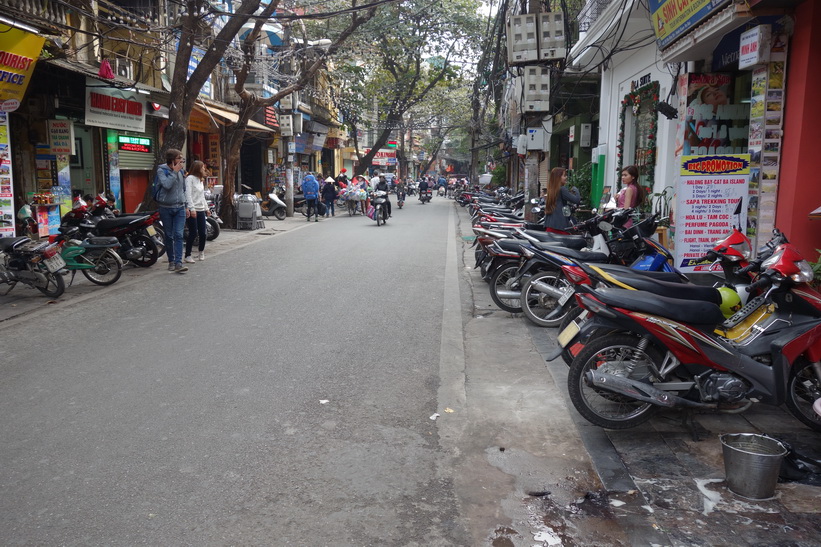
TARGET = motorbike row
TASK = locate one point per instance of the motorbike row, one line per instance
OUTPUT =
(639, 336)
(92, 240)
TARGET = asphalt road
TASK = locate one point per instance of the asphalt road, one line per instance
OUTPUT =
(277, 394)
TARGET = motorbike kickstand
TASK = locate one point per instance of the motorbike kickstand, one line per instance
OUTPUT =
(697, 432)
(12, 284)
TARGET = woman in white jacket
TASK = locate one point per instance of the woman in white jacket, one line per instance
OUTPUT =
(195, 194)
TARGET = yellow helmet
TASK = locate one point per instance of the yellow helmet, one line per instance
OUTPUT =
(730, 301)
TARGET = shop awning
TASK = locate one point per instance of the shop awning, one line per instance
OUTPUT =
(232, 117)
(700, 42)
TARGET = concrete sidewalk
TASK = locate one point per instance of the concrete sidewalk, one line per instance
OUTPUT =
(661, 484)
(24, 300)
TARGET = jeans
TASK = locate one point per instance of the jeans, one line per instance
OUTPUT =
(196, 227)
(329, 204)
(173, 222)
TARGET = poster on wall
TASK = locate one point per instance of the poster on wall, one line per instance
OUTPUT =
(711, 123)
(6, 187)
(709, 191)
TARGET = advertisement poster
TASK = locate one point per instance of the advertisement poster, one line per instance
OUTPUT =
(711, 123)
(6, 191)
(709, 191)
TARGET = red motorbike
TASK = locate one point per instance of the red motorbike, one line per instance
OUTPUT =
(666, 352)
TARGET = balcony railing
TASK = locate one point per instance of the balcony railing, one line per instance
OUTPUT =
(591, 12)
(40, 13)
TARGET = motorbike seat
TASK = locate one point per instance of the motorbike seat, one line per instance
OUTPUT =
(618, 269)
(107, 224)
(9, 243)
(512, 245)
(666, 288)
(582, 256)
(570, 241)
(696, 312)
(103, 241)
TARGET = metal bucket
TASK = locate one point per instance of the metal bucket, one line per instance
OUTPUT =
(752, 463)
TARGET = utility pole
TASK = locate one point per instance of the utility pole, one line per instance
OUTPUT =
(288, 141)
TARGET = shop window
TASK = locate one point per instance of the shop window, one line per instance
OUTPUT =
(638, 132)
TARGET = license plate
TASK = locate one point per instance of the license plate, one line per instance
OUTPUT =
(54, 263)
(151, 231)
(568, 292)
(568, 334)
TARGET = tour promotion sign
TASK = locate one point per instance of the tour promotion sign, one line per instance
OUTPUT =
(709, 190)
(672, 18)
(19, 51)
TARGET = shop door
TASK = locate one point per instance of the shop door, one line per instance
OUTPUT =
(134, 185)
(250, 170)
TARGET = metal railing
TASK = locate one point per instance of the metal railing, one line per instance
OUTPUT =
(591, 12)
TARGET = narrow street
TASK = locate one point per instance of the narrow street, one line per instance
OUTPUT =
(340, 384)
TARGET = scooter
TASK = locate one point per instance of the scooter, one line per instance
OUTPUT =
(273, 206)
(378, 201)
(400, 199)
(672, 353)
(33, 263)
(425, 195)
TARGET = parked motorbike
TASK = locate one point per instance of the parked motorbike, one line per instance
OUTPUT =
(273, 206)
(96, 257)
(379, 201)
(137, 244)
(674, 353)
(33, 263)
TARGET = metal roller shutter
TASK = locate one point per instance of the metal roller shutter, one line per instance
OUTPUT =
(140, 160)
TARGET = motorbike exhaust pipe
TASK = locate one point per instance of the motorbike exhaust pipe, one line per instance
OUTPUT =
(508, 293)
(555, 292)
(639, 390)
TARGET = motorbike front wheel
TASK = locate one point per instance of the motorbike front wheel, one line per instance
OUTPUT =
(616, 354)
(107, 269)
(55, 285)
(150, 252)
(803, 389)
(542, 308)
(378, 215)
(501, 282)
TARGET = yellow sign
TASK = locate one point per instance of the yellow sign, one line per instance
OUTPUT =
(19, 51)
(672, 18)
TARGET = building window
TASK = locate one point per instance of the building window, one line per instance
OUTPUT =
(638, 132)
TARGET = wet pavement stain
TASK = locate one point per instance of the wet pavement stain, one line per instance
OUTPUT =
(588, 520)
(503, 537)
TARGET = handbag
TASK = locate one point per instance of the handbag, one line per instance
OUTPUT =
(320, 208)
(371, 212)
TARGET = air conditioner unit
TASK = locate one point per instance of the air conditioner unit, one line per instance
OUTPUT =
(123, 68)
(297, 123)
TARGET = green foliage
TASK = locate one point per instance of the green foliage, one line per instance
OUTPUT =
(582, 178)
(499, 175)
(816, 270)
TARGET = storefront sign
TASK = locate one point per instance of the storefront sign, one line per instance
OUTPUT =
(114, 109)
(134, 144)
(672, 18)
(754, 47)
(383, 157)
(708, 193)
(61, 137)
(19, 51)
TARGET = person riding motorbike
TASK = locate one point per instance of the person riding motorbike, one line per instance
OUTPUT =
(383, 186)
(423, 187)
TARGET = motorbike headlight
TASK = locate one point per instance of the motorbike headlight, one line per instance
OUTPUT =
(805, 273)
(744, 249)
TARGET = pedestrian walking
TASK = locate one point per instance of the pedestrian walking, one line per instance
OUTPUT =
(169, 193)
(556, 211)
(195, 195)
(329, 196)
(310, 189)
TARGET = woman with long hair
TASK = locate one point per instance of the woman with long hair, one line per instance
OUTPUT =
(631, 193)
(195, 194)
(557, 197)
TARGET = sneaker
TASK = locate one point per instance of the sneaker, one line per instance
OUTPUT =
(201, 256)
(188, 260)
(179, 268)
(170, 266)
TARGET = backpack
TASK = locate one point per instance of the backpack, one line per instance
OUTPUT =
(156, 187)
